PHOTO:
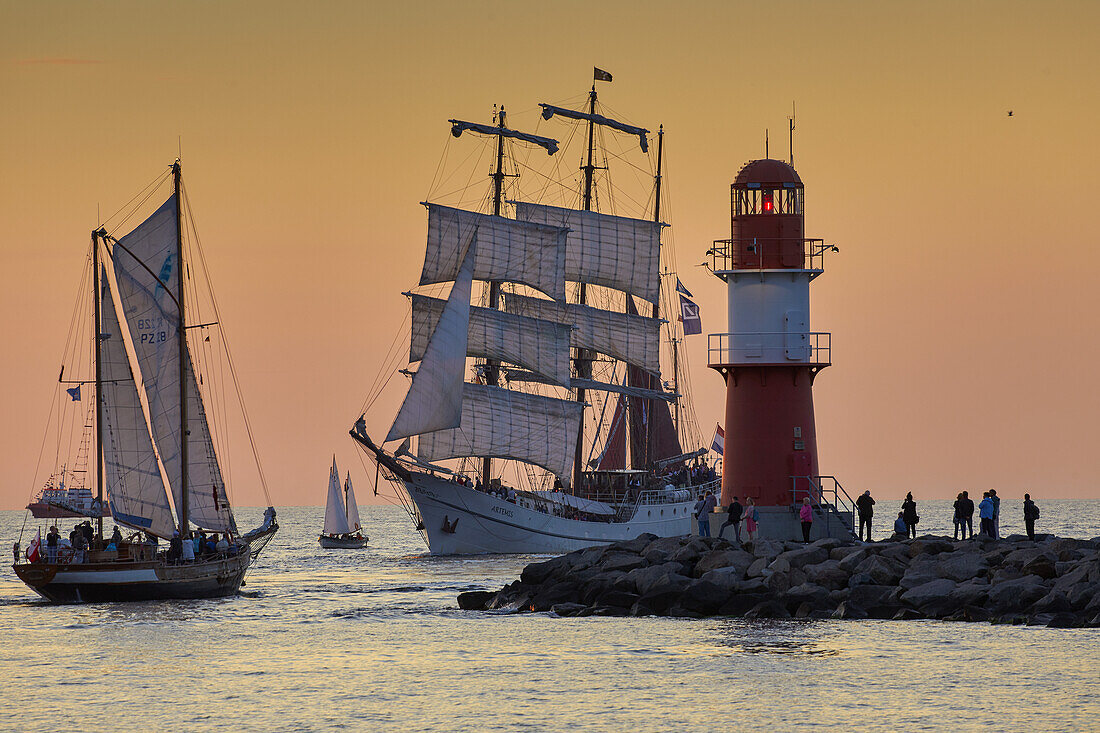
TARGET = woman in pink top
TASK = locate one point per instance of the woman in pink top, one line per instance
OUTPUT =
(750, 519)
(806, 514)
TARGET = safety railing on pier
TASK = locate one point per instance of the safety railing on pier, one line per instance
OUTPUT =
(757, 252)
(770, 347)
(829, 497)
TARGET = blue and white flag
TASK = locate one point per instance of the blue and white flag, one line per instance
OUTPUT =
(74, 392)
(689, 316)
(682, 290)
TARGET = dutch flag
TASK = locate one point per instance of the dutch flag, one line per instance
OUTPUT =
(718, 445)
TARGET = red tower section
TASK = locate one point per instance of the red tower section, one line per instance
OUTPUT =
(769, 357)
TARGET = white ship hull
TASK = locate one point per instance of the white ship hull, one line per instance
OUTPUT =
(482, 523)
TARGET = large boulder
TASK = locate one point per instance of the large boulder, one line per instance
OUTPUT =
(929, 546)
(767, 548)
(729, 578)
(757, 568)
(801, 557)
(475, 600)
(714, 559)
(827, 574)
(646, 579)
(973, 592)
(871, 597)
(1042, 566)
(926, 594)
(768, 609)
(849, 610)
(621, 561)
(549, 595)
(704, 597)
(921, 576)
(852, 558)
(777, 582)
(883, 570)
(815, 595)
(635, 546)
(1016, 595)
(1053, 602)
(567, 609)
(962, 566)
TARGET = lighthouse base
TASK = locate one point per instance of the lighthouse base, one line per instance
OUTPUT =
(782, 523)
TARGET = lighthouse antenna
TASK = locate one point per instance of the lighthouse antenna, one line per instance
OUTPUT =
(766, 143)
(791, 142)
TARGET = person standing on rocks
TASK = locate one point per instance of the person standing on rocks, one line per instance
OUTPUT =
(909, 513)
(702, 511)
(865, 505)
(806, 514)
(958, 518)
(985, 514)
(996, 513)
(752, 519)
(967, 508)
(1031, 513)
(734, 518)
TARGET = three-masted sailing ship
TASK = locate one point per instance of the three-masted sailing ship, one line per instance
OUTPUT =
(151, 437)
(559, 299)
(343, 528)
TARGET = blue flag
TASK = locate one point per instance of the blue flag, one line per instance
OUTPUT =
(682, 290)
(74, 392)
(689, 316)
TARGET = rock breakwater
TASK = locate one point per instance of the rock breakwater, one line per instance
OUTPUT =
(1052, 581)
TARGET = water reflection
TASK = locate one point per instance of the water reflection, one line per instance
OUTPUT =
(775, 636)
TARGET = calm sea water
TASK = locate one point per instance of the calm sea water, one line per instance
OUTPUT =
(373, 640)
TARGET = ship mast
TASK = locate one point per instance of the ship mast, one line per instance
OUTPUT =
(492, 367)
(652, 383)
(583, 363)
(182, 335)
(98, 384)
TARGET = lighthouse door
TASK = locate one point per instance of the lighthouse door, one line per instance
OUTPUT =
(798, 466)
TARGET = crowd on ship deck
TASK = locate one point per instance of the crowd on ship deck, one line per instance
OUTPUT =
(82, 542)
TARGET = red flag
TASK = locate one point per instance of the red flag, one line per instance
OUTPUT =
(34, 552)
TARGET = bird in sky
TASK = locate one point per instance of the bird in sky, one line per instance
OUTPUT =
(1010, 113)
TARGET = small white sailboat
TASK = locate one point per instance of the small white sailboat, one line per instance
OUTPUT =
(343, 529)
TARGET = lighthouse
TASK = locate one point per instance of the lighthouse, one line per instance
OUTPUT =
(769, 357)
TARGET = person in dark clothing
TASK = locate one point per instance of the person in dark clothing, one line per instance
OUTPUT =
(53, 541)
(900, 529)
(957, 519)
(966, 509)
(735, 513)
(909, 513)
(1031, 513)
(175, 548)
(865, 505)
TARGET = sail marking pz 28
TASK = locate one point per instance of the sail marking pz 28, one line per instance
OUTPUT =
(630, 338)
(506, 250)
(152, 317)
(600, 249)
(134, 484)
(434, 399)
(501, 423)
(541, 346)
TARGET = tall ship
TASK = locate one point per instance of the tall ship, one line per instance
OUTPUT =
(137, 419)
(537, 420)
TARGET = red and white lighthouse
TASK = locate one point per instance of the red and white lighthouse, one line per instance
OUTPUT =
(769, 357)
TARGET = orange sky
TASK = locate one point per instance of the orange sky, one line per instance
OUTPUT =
(962, 304)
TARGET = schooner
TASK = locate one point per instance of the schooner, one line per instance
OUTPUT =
(151, 452)
(561, 286)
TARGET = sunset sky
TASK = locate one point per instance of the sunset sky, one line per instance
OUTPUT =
(963, 303)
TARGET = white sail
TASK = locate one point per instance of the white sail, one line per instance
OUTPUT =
(354, 522)
(434, 399)
(152, 315)
(541, 346)
(134, 484)
(507, 250)
(500, 423)
(613, 251)
(624, 336)
(336, 521)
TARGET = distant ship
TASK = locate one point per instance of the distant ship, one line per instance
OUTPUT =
(560, 430)
(141, 356)
(57, 501)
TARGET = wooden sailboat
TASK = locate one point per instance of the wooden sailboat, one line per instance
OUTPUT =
(149, 422)
(525, 404)
(343, 529)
